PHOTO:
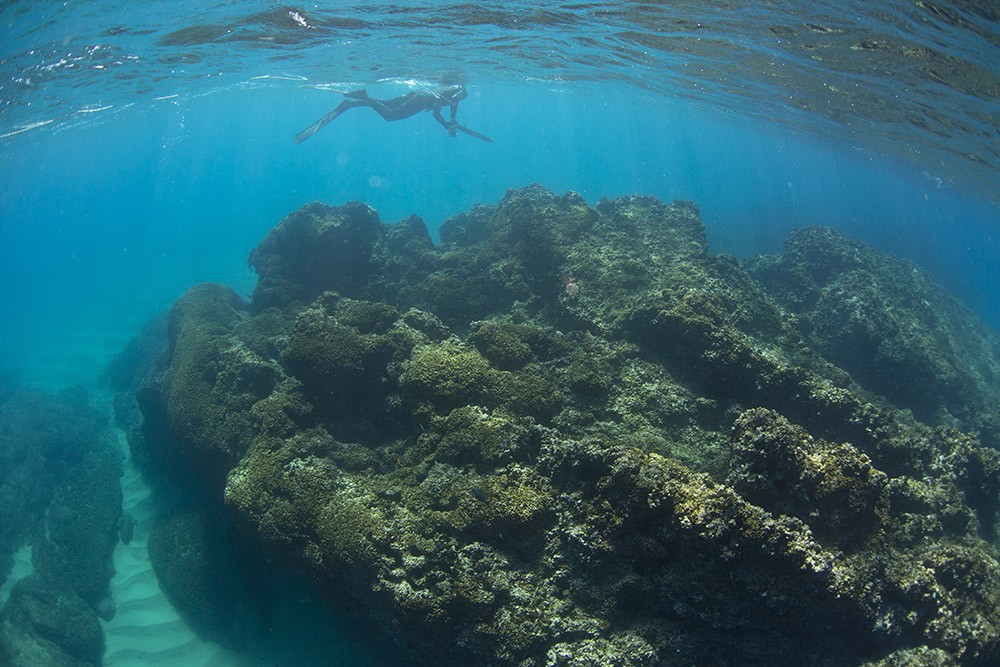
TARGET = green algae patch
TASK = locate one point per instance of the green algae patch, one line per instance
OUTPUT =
(446, 376)
(835, 488)
(473, 435)
(441, 377)
(344, 530)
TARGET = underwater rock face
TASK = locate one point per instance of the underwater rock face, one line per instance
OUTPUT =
(73, 545)
(319, 245)
(887, 323)
(569, 436)
(60, 494)
(125, 373)
(204, 576)
(42, 625)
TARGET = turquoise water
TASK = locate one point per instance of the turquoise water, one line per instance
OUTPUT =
(148, 148)
(106, 223)
(165, 156)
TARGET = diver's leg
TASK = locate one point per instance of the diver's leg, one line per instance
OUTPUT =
(403, 106)
(382, 109)
(322, 122)
(385, 109)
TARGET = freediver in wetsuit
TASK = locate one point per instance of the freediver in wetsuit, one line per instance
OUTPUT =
(403, 106)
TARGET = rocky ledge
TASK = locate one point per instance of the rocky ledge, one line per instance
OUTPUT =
(570, 436)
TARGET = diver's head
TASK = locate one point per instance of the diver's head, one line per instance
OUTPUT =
(453, 93)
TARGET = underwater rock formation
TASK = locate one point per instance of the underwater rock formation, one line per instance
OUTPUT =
(570, 436)
(891, 326)
(125, 373)
(60, 495)
(42, 625)
(207, 578)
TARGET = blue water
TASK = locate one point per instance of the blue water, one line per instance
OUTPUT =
(106, 222)
(147, 147)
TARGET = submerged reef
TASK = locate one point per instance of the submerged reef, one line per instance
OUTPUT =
(60, 500)
(891, 326)
(570, 436)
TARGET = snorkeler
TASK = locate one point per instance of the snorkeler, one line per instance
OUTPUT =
(403, 106)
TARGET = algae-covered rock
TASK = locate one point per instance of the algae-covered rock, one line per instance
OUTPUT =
(73, 544)
(42, 625)
(59, 494)
(339, 350)
(571, 436)
(444, 376)
(41, 435)
(315, 249)
(834, 488)
(199, 415)
(891, 326)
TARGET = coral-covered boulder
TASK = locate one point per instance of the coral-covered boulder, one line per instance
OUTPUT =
(834, 488)
(313, 250)
(60, 495)
(569, 435)
(43, 625)
(73, 545)
(202, 406)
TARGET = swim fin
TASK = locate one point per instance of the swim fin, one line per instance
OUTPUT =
(317, 126)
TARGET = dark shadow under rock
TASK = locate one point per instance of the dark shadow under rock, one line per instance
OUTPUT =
(206, 574)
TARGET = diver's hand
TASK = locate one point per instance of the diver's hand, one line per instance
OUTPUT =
(451, 129)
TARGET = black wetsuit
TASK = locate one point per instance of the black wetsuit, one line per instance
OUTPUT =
(400, 107)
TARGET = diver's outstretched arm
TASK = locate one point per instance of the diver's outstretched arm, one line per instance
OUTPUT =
(453, 126)
(448, 126)
(322, 122)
